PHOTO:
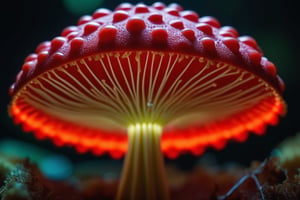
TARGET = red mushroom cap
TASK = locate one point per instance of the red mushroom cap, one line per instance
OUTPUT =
(204, 83)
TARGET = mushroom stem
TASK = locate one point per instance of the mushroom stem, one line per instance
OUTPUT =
(143, 176)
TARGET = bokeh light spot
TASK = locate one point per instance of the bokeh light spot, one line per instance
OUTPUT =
(56, 167)
(79, 7)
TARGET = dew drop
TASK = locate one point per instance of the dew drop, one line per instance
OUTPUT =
(149, 104)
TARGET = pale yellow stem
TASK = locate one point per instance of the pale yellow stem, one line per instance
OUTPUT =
(143, 176)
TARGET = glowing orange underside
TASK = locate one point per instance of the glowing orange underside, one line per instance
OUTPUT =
(193, 139)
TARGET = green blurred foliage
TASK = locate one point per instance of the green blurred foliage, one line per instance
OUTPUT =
(81, 7)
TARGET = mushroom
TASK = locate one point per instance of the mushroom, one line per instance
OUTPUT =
(146, 80)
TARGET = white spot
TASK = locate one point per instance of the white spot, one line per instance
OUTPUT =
(149, 104)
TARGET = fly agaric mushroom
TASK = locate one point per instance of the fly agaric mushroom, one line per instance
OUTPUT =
(121, 78)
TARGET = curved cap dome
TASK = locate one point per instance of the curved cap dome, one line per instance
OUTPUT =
(138, 64)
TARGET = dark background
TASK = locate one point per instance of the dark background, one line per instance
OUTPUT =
(273, 23)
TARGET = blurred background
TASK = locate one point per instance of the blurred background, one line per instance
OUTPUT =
(273, 23)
